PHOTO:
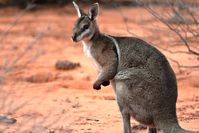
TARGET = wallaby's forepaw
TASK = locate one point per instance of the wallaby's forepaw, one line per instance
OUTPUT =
(96, 86)
(106, 83)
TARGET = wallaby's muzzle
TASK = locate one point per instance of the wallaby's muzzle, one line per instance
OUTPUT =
(74, 37)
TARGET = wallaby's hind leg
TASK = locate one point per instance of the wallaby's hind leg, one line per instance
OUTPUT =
(120, 88)
(151, 130)
(126, 122)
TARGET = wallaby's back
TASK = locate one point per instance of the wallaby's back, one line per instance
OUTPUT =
(150, 79)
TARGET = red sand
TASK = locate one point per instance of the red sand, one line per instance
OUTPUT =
(64, 101)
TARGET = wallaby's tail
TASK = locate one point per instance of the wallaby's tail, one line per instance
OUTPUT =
(185, 131)
(178, 129)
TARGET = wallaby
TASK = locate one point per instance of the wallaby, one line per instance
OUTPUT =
(142, 78)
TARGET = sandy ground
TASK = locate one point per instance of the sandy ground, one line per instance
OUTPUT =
(42, 98)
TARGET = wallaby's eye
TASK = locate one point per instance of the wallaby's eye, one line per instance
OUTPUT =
(85, 26)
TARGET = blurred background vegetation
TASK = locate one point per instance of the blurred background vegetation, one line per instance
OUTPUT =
(23, 3)
(172, 27)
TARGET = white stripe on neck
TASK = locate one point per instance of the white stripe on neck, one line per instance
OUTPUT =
(87, 52)
(117, 47)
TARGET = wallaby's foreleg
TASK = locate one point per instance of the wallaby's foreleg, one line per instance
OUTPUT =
(108, 70)
(103, 78)
(151, 130)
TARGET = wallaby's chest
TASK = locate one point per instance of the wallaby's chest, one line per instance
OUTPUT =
(89, 52)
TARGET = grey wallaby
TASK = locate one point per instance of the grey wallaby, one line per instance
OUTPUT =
(142, 78)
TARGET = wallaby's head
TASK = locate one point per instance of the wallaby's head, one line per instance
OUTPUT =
(85, 26)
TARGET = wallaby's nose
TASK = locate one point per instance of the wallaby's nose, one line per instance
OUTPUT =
(74, 37)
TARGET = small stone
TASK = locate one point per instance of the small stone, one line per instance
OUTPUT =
(66, 65)
(4, 119)
(49, 131)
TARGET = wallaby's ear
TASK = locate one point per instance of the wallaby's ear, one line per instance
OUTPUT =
(93, 12)
(79, 11)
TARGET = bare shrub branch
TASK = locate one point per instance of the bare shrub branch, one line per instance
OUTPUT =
(13, 23)
(182, 29)
(172, 27)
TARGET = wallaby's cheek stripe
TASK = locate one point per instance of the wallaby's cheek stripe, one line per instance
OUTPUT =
(83, 34)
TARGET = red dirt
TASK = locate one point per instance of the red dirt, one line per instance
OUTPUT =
(41, 97)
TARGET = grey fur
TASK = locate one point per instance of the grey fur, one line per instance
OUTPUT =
(151, 130)
(143, 80)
